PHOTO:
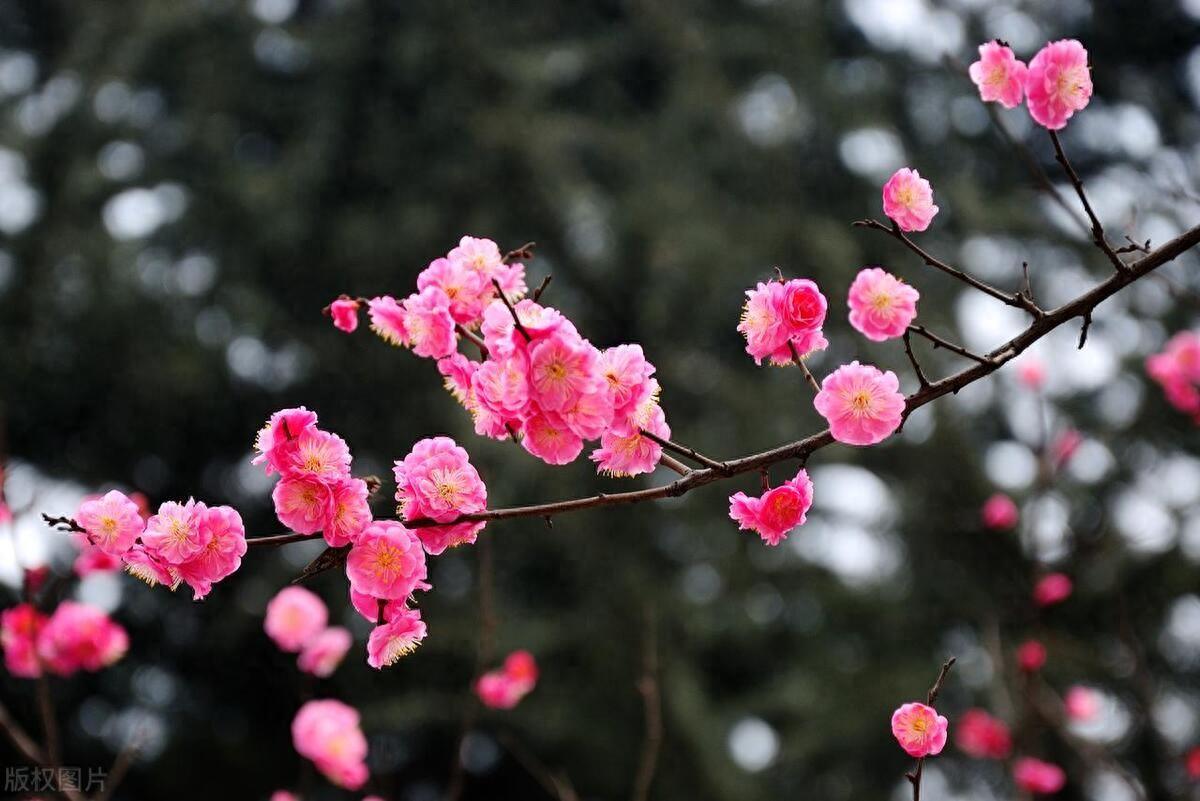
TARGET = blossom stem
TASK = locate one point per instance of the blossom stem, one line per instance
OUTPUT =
(537, 293)
(684, 450)
(511, 310)
(808, 376)
(1098, 236)
(908, 351)
(938, 342)
(473, 338)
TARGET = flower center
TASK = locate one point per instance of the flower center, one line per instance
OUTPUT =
(860, 402)
(882, 303)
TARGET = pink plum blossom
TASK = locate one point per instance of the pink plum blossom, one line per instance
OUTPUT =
(1053, 588)
(481, 256)
(428, 326)
(294, 617)
(19, 629)
(437, 539)
(632, 453)
(999, 75)
(1031, 656)
(344, 312)
(369, 607)
(303, 503)
(324, 652)
(174, 533)
(1058, 83)
(349, 511)
(777, 511)
(80, 637)
(783, 318)
(284, 795)
(467, 289)
(502, 385)
(982, 736)
(387, 320)
(908, 200)
(276, 439)
(561, 368)
(458, 372)
(1035, 776)
(112, 522)
(550, 439)
(222, 529)
(504, 688)
(862, 405)
(146, 565)
(327, 733)
(93, 560)
(316, 453)
(397, 637)
(881, 305)
(1064, 447)
(386, 562)
(1081, 703)
(919, 729)
(1031, 372)
(1176, 369)
(436, 480)
(999, 512)
(627, 375)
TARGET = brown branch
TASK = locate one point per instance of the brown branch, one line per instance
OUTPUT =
(684, 450)
(1098, 236)
(799, 362)
(914, 777)
(648, 687)
(49, 719)
(523, 253)
(511, 310)
(1015, 300)
(473, 338)
(674, 465)
(65, 524)
(908, 351)
(537, 293)
(20, 739)
(938, 342)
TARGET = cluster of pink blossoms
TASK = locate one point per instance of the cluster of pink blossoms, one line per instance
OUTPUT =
(189, 543)
(1177, 370)
(296, 621)
(74, 637)
(1056, 84)
(782, 321)
(540, 383)
(327, 733)
(982, 736)
(505, 687)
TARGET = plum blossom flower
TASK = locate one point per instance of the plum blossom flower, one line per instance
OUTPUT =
(80, 637)
(1031, 372)
(782, 319)
(1176, 369)
(1053, 588)
(327, 733)
(284, 795)
(551, 440)
(324, 652)
(999, 75)
(436, 480)
(1081, 703)
(908, 200)
(919, 729)
(386, 562)
(502, 385)
(1031, 656)
(982, 736)
(303, 503)
(294, 617)
(387, 320)
(112, 522)
(278, 436)
(397, 637)
(561, 369)
(349, 511)
(369, 606)
(1058, 83)
(467, 289)
(777, 511)
(428, 326)
(93, 560)
(316, 453)
(881, 305)
(999, 512)
(146, 565)
(174, 533)
(633, 453)
(504, 688)
(862, 405)
(1191, 763)
(1035, 776)
(19, 630)
(222, 529)
(627, 375)
(344, 312)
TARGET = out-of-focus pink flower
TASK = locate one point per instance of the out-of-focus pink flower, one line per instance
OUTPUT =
(777, 511)
(919, 729)
(80, 637)
(1058, 83)
(222, 529)
(504, 688)
(1064, 447)
(1081, 703)
(324, 652)
(862, 405)
(344, 312)
(908, 200)
(284, 795)
(1035, 776)
(294, 617)
(19, 629)
(93, 560)
(999, 75)
(999, 512)
(386, 562)
(112, 522)
(174, 533)
(327, 733)
(881, 305)
(1031, 656)
(982, 736)
(1031, 372)
(6, 514)
(1053, 588)
(1177, 370)
(1191, 763)
(278, 437)
(397, 637)
(303, 503)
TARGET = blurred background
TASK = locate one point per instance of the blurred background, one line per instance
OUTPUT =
(184, 185)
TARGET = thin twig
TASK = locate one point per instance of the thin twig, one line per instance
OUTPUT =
(63, 524)
(684, 450)
(1098, 236)
(49, 720)
(908, 351)
(473, 338)
(939, 342)
(1083, 329)
(523, 253)
(537, 293)
(20, 739)
(799, 362)
(674, 465)
(511, 310)
(648, 687)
